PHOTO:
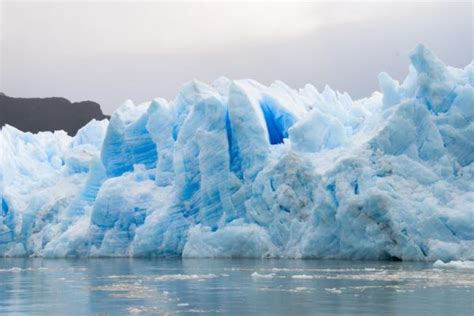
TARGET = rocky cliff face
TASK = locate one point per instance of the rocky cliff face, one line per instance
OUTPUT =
(47, 114)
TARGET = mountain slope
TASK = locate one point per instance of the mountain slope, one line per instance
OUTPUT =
(47, 114)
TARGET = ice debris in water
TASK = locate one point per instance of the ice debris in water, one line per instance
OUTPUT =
(454, 264)
(238, 169)
(257, 275)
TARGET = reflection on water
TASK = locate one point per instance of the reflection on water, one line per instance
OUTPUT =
(209, 286)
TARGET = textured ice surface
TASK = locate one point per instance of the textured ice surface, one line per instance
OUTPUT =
(238, 169)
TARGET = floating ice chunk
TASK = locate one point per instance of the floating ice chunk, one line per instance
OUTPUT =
(182, 277)
(333, 290)
(302, 277)
(257, 275)
(454, 264)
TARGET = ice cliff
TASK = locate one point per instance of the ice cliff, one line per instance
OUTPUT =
(238, 169)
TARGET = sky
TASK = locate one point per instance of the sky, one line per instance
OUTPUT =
(108, 51)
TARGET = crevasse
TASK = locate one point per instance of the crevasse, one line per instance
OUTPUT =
(238, 169)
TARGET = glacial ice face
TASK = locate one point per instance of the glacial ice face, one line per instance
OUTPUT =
(238, 169)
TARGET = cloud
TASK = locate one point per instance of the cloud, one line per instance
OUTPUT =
(167, 28)
(110, 51)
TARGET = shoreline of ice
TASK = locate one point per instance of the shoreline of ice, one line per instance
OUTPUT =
(453, 264)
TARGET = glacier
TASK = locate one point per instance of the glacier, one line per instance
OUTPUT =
(239, 169)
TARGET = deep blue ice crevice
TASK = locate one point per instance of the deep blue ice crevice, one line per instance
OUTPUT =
(277, 119)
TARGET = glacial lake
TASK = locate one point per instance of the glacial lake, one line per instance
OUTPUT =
(231, 286)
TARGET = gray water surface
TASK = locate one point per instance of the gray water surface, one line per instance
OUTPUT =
(234, 286)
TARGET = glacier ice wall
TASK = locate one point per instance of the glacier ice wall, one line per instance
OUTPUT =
(238, 169)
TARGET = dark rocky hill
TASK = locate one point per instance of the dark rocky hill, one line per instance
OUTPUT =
(47, 114)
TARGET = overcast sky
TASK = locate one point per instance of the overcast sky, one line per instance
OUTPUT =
(111, 51)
